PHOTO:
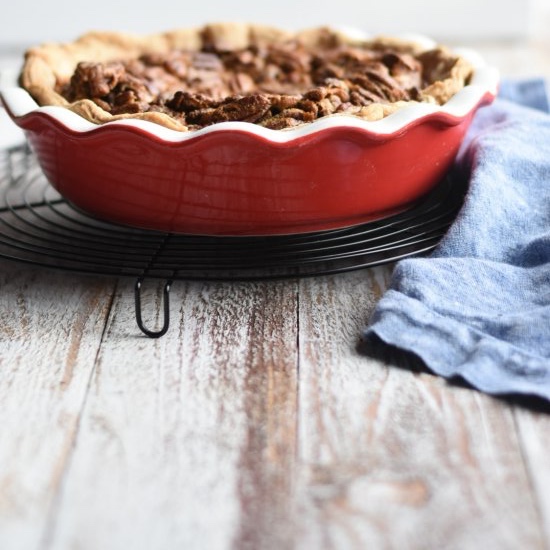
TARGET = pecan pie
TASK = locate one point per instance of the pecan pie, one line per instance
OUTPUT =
(189, 79)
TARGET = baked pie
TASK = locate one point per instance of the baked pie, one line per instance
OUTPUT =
(307, 156)
(193, 78)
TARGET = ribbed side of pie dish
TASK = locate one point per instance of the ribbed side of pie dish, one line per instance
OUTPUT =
(238, 178)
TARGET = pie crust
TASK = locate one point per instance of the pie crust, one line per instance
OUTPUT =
(241, 72)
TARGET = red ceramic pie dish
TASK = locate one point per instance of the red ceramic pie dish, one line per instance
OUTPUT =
(237, 178)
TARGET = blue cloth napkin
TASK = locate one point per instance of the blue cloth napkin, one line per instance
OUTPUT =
(479, 306)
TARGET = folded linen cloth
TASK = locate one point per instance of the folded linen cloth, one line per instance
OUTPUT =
(479, 306)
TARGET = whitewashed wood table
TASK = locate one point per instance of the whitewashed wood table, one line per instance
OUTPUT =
(257, 422)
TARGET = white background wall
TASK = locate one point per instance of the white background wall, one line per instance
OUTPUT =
(23, 22)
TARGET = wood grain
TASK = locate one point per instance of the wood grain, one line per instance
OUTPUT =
(50, 334)
(258, 415)
(194, 438)
(397, 459)
(534, 431)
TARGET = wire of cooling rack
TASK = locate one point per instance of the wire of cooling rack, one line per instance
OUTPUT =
(38, 226)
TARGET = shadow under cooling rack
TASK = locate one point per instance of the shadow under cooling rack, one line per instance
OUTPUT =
(38, 226)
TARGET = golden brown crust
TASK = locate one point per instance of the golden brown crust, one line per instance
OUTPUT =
(448, 76)
(48, 66)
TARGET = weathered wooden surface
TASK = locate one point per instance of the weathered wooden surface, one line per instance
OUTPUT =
(50, 334)
(257, 422)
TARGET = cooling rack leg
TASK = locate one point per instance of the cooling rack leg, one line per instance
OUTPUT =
(166, 302)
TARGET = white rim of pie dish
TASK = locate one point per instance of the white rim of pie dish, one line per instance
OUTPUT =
(485, 80)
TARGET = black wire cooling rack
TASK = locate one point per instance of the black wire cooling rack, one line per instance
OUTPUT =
(38, 226)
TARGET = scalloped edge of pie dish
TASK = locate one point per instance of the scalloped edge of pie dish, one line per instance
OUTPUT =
(484, 82)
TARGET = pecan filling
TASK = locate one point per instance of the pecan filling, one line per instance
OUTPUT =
(277, 86)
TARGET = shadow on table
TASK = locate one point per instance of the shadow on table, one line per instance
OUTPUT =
(395, 357)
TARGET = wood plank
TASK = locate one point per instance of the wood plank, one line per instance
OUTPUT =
(50, 332)
(189, 441)
(395, 458)
(533, 419)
